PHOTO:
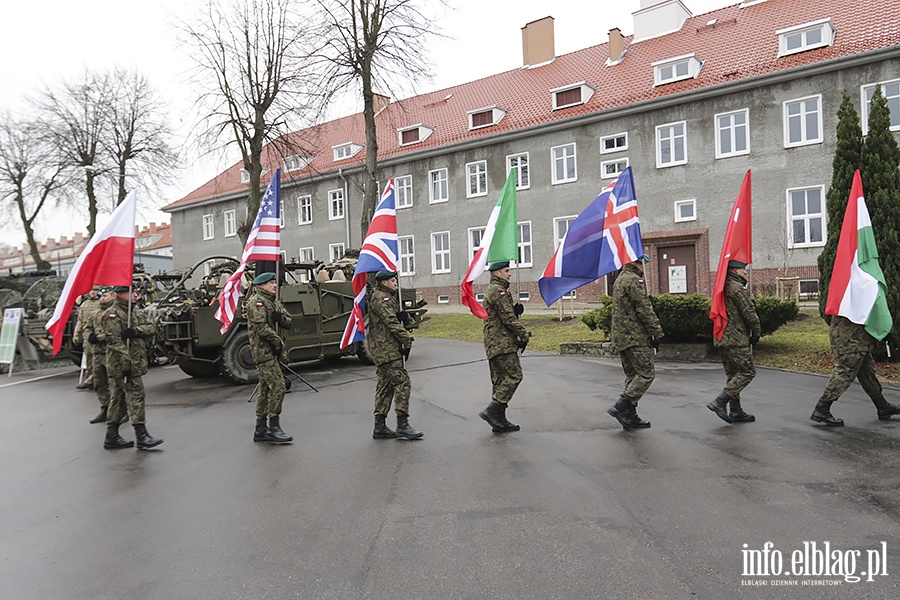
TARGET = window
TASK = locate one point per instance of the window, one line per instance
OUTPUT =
(803, 121)
(685, 210)
(809, 288)
(209, 231)
(304, 210)
(245, 176)
(519, 162)
(437, 186)
(335, 204)
(475, 236)
(806, 217)
(306, 255)
(479, 297)
(808, 36)
(404, 192)
(335, 252)
(891, 91)
(560, 227)
(440, 252)
(612, 168)
(571, 95)
(614, 143)
(671, 144)
(476, 173)
(485, 117)
(443, 299)
(732, 135)
(524, 296)
(675, 69)
(564, 167)
(296, 162)
(343, 151)
(407, 253)
(414, 135)
(524, 259)
(230, 224)
(281, 213)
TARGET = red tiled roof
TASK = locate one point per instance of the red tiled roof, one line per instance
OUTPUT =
(741, 44)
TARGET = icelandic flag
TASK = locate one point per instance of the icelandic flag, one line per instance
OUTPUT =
(378, 253)
(603, 238)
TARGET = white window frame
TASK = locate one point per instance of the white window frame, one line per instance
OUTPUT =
(424, 133)
(614, 138)
(312, 253)
(523, 172)
(403, 190)
(732, 128)
(679, 203)
(442, 252)
(659, 144)
(304, 205)
(524, 296)
(523, 245)
(476, 172)
(344, 151)
(556, 158)
(791, 217)
(209, 227)
(805, 141)
(245, 176)
(406, 257)
(866, 103)
(438, 181)
(497, 115)
(296, 162)
(335, 201)
(666, 71)
(470, 237)
(823, 26)
(443, 299)
(586, 93)
(229, 223)
(557, 239)
(606, 163)
(333, 255)
(281, 213)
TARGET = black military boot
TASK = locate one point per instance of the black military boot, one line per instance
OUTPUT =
(274, 435)
(382, 431)
(822, 414)
(113, 440)
(493, 414)
(720, 407)
(739, 414)
(404, 430)
(507, 426)
(885, 409)
(260, 433)
(626, 414)
(144, 439)
(101, 416)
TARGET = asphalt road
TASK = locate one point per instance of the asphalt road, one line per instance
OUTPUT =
(570, 507)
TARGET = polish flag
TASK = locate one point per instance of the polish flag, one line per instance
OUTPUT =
(108, 259)
(737, 245)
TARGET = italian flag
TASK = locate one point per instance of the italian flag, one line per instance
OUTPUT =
(500, 241)
(857, 289)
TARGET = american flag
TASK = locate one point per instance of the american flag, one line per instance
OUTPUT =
(264, 243)
(378, 253)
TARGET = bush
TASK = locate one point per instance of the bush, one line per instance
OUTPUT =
(600, 318)
(773, 313)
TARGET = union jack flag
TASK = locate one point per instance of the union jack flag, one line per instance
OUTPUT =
(264, 243)
(378, 253)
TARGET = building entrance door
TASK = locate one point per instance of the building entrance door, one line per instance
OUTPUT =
(677, 270)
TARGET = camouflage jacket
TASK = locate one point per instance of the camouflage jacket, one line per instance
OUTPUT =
(502, 328)
(848, 337)
(86, 312)
(265, 343)
(94, 325)
(743, 321)
(122, 356)
(633, 319)
(385, 333)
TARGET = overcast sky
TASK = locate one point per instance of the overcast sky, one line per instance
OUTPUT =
(45, 42)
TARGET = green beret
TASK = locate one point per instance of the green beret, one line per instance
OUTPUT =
(496, 266)
(644, 259)
(736, 264)
(263, 278)
(120, 288)
(385, 275)
(104, 288)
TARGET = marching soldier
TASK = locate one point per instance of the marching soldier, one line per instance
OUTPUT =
(504, 336)
(389, 344)
(92, 332)
(635, 334)
(127, 358)
(90, 305)
(264, 315)
(741, 334)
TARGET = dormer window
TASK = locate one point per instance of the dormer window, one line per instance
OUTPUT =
(342, 151)
(571, 95)
(485, 117)
(808, 36)
(245, 176)
(675, 69)
(296, 162)
(414, 135)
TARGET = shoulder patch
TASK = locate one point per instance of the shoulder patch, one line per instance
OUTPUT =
(259, 303)
(502, 293)
(111, 315)
(385, 299)
(640, 281)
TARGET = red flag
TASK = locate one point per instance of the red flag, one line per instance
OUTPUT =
(738, 245)
(108, 259)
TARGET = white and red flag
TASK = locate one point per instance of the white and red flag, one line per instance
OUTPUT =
(108, 259)
(737, 245)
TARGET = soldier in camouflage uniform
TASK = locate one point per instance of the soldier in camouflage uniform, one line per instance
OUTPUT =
(389, 344)
(127, 359)
(92, 332)
(264, 314)
(852, 346)
(635, 334)
(504, 336)
(740, 335)
(90, 304)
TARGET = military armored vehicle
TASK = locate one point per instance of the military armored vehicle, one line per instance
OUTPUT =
(318, 297)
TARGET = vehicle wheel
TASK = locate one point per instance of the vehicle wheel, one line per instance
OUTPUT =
(197, 368)
(362, 351)
(237, 360)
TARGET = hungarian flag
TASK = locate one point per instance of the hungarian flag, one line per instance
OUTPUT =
(500, 241)
(738, 245)
(857, 289)
(108, 259)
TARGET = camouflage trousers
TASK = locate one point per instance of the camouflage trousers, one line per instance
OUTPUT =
(127, 393)
(271, 390)
(506, 375)
(637, 362)
(89, 350)
(855, 365)
(739, 369)
(393, 384)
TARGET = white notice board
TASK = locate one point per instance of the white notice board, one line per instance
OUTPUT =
(9, 335)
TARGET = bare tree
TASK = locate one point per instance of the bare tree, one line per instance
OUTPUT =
(369, 44)
(251, 68)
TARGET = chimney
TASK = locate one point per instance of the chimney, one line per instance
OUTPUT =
(379, 101)
(616, 45)
(152, 227)
(659, 17)
(537, 42)
(78, 238)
